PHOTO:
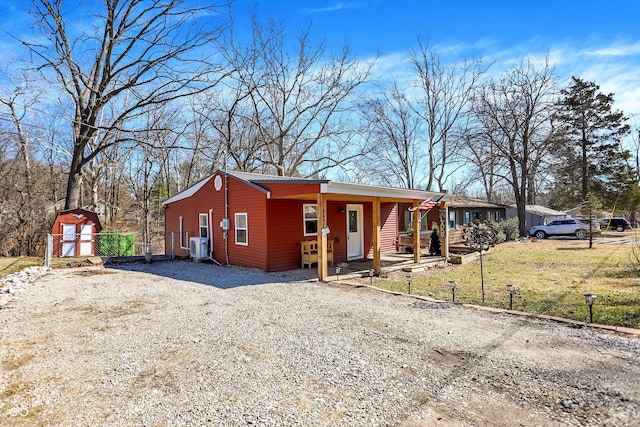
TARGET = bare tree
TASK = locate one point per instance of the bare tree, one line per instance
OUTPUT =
(486, 164)
(23, 197)
(394, 136)
(514, 115)
(298, 98)
(445, 94)
(135, 54)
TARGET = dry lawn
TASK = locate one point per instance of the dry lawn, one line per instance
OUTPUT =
(10, 265)
(551, 277)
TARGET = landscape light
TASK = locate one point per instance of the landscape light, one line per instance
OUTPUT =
(453, 284)
(337, 272)
(590, 299)
(512, 290)
(371, 277)
(409, 283)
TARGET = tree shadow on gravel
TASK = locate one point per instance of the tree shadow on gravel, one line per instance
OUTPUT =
(211, 274)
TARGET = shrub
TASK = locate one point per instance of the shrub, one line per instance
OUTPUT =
(113, 243)
(434, 246)
(506, 230)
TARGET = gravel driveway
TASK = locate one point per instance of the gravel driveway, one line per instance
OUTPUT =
(176, 343)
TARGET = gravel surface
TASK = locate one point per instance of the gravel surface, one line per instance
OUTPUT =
(176, 343)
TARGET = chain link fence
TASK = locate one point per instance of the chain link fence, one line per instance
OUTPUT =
(109, 246)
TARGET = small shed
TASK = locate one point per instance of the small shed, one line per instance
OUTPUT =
(74, 233)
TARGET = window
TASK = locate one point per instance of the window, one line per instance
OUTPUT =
(467, 217)
(452, 219)
(204, 225)
(241, 229)
(310, 219)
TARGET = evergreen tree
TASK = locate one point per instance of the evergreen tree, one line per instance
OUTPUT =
(589, 155)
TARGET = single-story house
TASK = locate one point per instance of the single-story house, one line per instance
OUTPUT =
(537, 215)
(259, 221)
(463, 210)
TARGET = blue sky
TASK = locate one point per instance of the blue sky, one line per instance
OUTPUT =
(595, 40)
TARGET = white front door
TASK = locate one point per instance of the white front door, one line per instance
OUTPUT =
(355, 233)
(86, 244)
(68, 240)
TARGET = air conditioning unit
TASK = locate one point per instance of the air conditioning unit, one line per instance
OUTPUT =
(198, 247)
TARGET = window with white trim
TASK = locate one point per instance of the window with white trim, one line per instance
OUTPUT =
(242, 237)
(310, 214)
(204, 225)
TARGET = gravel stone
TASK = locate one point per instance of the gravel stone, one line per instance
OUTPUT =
(187, 344)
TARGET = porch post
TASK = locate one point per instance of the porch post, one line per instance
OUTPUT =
(377, 265)
(416, 232)
(322, 238)
(444, 232)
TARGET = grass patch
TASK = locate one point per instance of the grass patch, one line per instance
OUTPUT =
(551, 278)
(10, 265)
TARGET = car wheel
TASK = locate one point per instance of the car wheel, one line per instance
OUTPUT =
(540, 234)
(581, 234)
(620, 228)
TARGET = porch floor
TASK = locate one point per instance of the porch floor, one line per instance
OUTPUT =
(360, 268)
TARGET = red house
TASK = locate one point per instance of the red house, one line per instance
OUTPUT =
(258, 220)
(74, 233)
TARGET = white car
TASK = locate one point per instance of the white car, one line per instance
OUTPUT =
(562, 227)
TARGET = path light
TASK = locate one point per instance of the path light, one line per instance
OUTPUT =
(590, 298)
(337, 272)
(409, 282)
(512, 290)
(453, 284)
(371, 277)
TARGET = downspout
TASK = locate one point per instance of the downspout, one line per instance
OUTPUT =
(226, 213)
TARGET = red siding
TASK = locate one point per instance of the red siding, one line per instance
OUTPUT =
(285, 226)
(389, 227)
(242, 199)
(246, 199)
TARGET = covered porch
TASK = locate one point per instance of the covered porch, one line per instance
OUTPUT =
(357, 226)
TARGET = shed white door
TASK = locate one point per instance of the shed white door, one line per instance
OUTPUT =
(68, 240)
(86, 243)
(355, 233)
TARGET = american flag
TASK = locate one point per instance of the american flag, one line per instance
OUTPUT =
(427, 205)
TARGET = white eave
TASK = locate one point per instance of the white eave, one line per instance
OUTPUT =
(188, 192)
(335, 187)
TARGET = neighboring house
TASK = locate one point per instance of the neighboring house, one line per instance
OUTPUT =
(463, 210)
(259, 220)
(537, 215)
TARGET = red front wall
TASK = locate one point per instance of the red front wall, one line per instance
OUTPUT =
(242, 199)
(389, 227)
(286, 230)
